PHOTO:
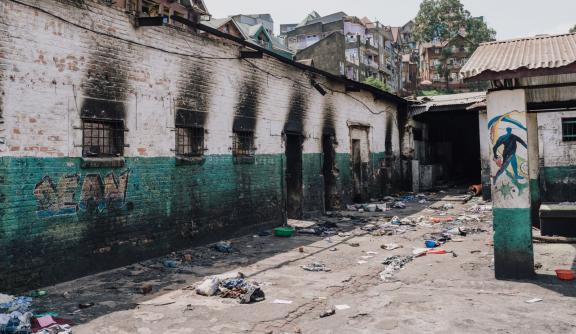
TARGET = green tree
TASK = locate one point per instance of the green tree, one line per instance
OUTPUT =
(374, 82)
(443, 19)
(573, 30)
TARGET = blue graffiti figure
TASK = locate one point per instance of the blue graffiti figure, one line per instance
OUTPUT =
(510, 142)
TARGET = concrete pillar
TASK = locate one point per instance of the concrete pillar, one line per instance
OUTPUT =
(534, 167)
(510, 172)
(485, 155)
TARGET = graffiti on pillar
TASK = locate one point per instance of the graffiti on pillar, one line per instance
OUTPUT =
(506, 134)
(97, 194)
(57, 199)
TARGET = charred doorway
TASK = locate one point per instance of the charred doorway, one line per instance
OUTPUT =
(451, 141)
(360, 162)
(294, 180)
(331, 198)
(357, 170)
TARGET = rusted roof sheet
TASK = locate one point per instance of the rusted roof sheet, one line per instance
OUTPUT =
(540, 55)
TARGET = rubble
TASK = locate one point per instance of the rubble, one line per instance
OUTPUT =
(316, 267)
(223, 247)
(328, 312)
(231, 286)
(393, 264)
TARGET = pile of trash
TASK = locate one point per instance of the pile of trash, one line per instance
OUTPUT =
(393, 264)
(231, 286)
(16, 317)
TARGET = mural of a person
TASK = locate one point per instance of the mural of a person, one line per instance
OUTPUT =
(510, 142)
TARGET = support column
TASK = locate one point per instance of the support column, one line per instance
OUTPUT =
(510, 172)
(534, 168)
(485, 155)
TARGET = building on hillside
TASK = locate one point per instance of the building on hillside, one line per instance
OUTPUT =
(253, 20)
(440, 64)
(408, 41)
(312, 31)
(257, 34)
(286, 28)
(392, 66)
(409, 75)
(147, 10)
(529, 136)
(346, 45)
(125, 151)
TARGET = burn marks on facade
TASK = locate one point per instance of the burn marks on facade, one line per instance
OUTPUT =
(194, 92)
(103, 110)
(332, 198)
(297, 112)
(248, 105)
(246, 114)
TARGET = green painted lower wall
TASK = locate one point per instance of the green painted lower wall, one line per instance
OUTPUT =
(59, 221)
(513, 252)
(558, 184)
(535, 201)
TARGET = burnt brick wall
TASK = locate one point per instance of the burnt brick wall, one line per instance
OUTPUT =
(60, 219)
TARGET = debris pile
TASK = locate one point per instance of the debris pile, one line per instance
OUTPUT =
(17, 317)
(236, 287)
(393, 264)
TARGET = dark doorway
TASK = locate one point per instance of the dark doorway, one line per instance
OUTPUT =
(357, 170)
(294, 176)
(453, 141)
(329, 172)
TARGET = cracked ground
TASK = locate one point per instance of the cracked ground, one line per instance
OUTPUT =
(448, 293)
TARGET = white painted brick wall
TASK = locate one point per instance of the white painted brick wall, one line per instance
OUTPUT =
(554, 151)
(46, 62)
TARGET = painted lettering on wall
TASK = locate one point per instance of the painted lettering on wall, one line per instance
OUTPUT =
(97, 194)
(509, 148)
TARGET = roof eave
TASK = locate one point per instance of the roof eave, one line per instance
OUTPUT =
(522, 72)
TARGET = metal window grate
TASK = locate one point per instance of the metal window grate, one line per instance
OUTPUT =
(243, 144)
(102, 138)
(568, 129)
(189, 142)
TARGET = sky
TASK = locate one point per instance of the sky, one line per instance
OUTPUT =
(510, 18)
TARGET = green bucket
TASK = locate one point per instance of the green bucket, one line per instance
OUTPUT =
(284, 232)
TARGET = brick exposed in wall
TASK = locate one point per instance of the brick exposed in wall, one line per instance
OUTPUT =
(152, 205)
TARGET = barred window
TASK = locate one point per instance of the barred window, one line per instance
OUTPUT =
(102, 138)
(190, 141)
(568, 129)
(243, 144)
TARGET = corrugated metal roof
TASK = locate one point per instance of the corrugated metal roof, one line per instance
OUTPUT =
(540, 52)
(453, 102)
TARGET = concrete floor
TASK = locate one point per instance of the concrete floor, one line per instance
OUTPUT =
(432, 294)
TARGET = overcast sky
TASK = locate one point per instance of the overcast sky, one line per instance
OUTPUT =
(510, 18)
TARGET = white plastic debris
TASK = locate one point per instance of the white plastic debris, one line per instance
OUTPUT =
(209, 287)
(390, 246)
(282, 301)
(534, 300)
(342, 307)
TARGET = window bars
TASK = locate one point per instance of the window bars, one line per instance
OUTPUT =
(243, 144)
(568, 129)
(190, 141)
(102, 138)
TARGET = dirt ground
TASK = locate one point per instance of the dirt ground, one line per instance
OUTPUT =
(449, 293)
